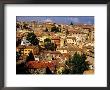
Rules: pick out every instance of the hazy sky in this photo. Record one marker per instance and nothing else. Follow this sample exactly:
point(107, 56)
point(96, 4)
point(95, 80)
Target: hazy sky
point(59, 19)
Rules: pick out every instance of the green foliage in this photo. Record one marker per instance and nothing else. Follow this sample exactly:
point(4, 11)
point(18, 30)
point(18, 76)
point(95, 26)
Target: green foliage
point(18, 42)
point(17, 25)
point(30, 57)
point(46, 30)
point(55, 29)
point(31, 37)
point(48, 71)
point(22, 69)
point(66, 71)
point(77, 64)
point(67, 32)
point(47, 40)
point(49, 45)
point(18, 54)
point(83, 56)
point(71, 23)
point(25, 26)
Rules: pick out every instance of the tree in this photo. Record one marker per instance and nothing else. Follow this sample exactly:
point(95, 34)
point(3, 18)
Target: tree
point(47, 40)
point(25, 26)
point(79, 64)
point(46, 30)
point(18, 41)
point(53, 47)
point(83, 56)
point(48, 71)
point(22, 69)
point(30, 57)
point(50, 46)
point(31, 37)
point(18, 54)
point(17, 25)
point(55, 29)
point(71, 23)
point(76, 64)
point(66, 71)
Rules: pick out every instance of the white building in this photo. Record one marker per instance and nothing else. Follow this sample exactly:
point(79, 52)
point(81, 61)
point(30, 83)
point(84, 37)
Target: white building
point(36, 57)
point(25, 42)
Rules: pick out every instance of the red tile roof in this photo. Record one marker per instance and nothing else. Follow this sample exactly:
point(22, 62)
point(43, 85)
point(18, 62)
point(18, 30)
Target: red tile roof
point(41, 64)
point(79, 32)
point(55, 38)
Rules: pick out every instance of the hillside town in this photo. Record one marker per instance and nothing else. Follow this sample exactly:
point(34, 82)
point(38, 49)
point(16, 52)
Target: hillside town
point(51, 48)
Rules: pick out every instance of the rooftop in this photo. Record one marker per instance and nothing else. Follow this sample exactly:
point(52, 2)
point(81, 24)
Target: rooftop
point(41, 64)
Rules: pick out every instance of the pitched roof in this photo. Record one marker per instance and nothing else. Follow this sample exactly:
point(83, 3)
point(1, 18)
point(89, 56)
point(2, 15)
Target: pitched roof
point(79, 32)
point(41, 64)
point(30, 47)
point(74, 38)
point(21, 47)
point(26, 47)
point(52, 52)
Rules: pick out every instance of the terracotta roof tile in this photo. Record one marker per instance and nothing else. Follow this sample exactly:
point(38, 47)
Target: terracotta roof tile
point(41, 64)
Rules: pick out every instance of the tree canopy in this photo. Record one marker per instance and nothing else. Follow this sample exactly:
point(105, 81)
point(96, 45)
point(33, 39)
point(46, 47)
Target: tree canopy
point(71, 23)
point(18, 54)
point(25, 26)
point(47, 40)
point(49, 45)
point(21, 69)
point(77, 64)
point(31, 37)
point(48, 71)
point(46, 30)
point(30, 57)
point(18, 25)
point(55, 29)
point(18, 41)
